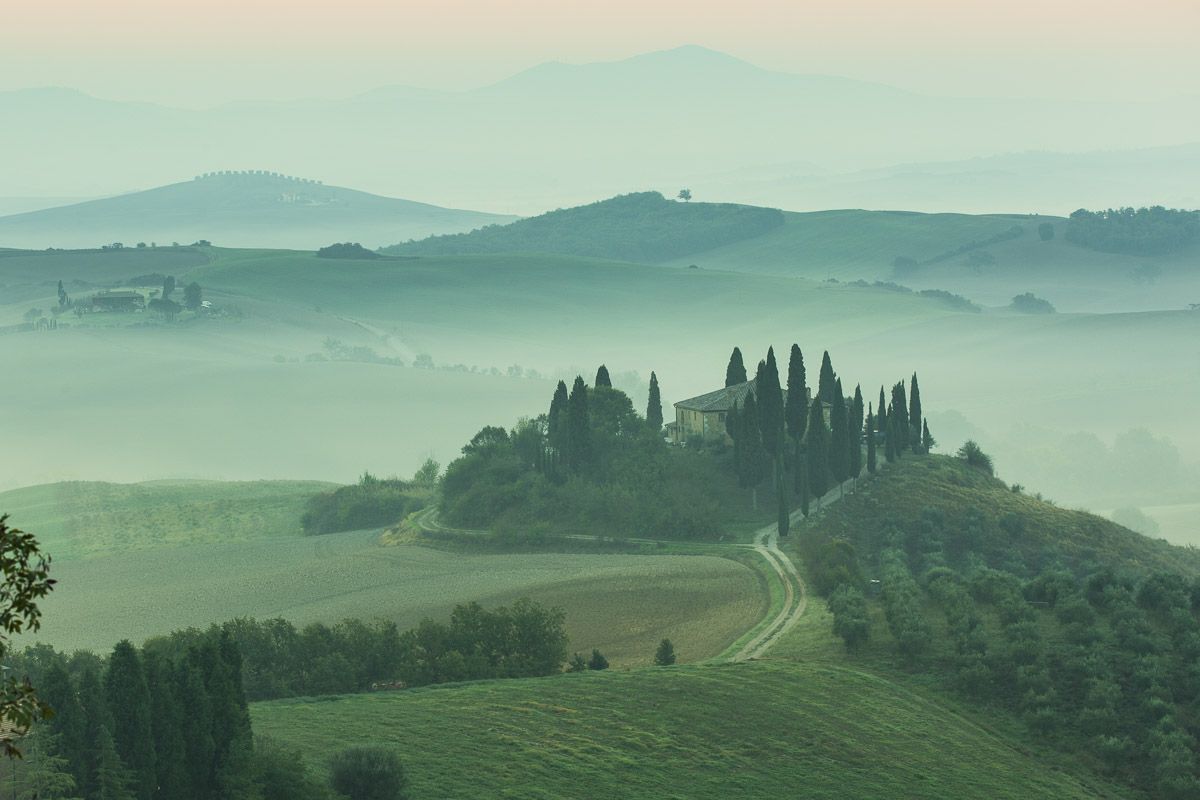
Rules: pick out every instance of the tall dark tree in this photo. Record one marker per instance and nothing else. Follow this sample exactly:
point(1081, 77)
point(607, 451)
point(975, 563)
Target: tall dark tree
point(231, 719)
point(68, 726)
point(556, 429)
point(168, 287)
point(817, 443)
point(914, 408)
point(197, 728)
point(579, 428)
point(856, 432)
point(128, 699)
point(602, 378)
point(654, 409)
point(827, 382)
point(751, 458)
point(881, 417)
point(795, 411)
point(62, 296)
point(112, 780)
point(166, 728)
point(97, 725)
point(839, 437)
point(871, 465)
point(927, 440)
point(735, 373)
point(769, 398)
point(900, 426)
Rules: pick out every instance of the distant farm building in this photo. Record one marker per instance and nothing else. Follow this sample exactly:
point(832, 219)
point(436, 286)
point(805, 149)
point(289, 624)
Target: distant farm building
point(703, 417)
point(118, 301)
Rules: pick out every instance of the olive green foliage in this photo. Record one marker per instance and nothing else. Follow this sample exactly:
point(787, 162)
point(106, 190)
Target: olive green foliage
point(851, 620)
point(973, 454)
point(371, 503)
point(1145, 231)
point(367, 772)
point(643, 227)
point(1087, 633)
point(592, 465)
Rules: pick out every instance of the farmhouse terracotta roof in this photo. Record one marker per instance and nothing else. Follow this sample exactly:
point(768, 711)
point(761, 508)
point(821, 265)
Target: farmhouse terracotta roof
point(722, 399)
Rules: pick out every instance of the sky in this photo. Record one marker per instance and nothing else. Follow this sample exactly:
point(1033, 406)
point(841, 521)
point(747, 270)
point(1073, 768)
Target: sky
point(195, 53)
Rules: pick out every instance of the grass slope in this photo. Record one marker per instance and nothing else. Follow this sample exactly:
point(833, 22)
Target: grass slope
point(89, 519)
point(634, 227)
point(747, 730)
point(623, 604)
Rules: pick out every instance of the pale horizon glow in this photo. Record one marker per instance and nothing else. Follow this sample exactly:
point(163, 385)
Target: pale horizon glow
point(191, 53)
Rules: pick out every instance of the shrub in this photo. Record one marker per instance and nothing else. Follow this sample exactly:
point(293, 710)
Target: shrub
point(665, 655)
point(346, 250)
point(368, 773)
point(1028, 303)
point(975, 457)
point(371, 503)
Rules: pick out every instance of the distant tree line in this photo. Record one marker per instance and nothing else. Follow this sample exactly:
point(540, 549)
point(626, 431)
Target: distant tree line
point(347, 250)
point(642, 227)
point(1153, 231)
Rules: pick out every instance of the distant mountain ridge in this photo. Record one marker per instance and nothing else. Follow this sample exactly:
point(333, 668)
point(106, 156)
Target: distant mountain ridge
point(560, 134)
point(248, 208)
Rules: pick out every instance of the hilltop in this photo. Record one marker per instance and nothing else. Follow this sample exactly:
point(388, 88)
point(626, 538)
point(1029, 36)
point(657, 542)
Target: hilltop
point(253, 208)
point(642, 227)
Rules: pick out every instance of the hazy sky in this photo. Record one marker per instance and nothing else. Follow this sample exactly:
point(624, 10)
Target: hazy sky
point(197, 52)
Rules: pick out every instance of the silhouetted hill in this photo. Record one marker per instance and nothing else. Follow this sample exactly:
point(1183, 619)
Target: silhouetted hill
point(642, 227)
point(238, 209)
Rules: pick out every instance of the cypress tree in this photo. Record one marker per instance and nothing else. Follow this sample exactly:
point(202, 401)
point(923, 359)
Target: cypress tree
point(579, 429)
point(112, 779)
point(68, 726)
point(818, 449)
point(166, 726)
point(914, 407)
point(785, 514)
point(752, 457)
point(231, 720)
point(839, 447)
point(735, 373)
point(796, 412)
point(654, 410)
point(889, 437)
point(197, 727)
point(826, 384)
point(602, 378)
point(802, 479)
point(97, 725)
point(881, 417)
point(856, 432)
point(769, 399)
point(900, 407)
point(871, 467)
point(129, 704)
point(927, 440)
point(556, 422)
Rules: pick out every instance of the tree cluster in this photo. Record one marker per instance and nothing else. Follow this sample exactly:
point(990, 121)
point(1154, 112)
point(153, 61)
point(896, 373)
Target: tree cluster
point(371, 503)
point(350, 250)
point(1153, 231)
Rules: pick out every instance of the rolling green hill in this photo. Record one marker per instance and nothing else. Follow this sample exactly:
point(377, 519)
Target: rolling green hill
point(767, 729)
point(84, 520)
point(633, 227)
point(239, 209)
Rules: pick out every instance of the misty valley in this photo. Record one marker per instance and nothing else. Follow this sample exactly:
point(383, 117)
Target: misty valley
point(596, 465)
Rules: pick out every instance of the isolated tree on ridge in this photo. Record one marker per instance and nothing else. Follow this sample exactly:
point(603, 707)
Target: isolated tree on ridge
point(664, 656)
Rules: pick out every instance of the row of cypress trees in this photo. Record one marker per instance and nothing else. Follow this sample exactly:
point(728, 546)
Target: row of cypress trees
point(817, 442)
point(144, 727)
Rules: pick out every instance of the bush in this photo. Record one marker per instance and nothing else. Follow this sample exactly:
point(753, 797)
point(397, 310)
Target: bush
point(665, 655)
point(371, 503)
point(597, 661)
point(368, 773)
point(973, 454)
point(346, 250)
point(1028, 303)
